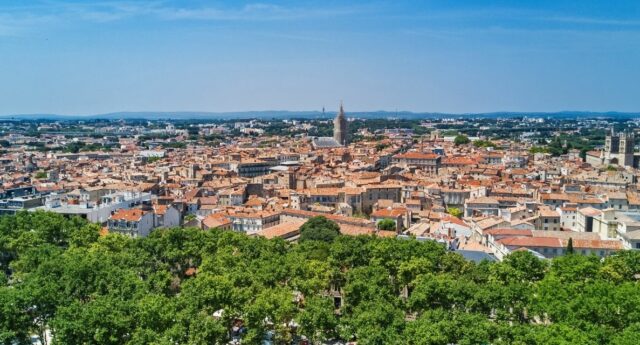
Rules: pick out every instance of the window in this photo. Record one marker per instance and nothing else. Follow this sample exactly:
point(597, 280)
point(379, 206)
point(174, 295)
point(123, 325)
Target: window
point(638, 245)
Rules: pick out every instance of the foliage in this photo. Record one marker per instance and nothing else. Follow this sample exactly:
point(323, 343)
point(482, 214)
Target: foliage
point(538, 149)
point(188, 286)
point(41, 175)
point(319, 229)
point(570, 246)
point(454, 211)
point(484, 143)
point(153, 159)
point(387, 224)
point(461, 140)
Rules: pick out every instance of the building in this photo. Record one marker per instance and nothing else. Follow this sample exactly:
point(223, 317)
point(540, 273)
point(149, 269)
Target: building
point(618, 150)
point(253, 222)
point(340, 130)
point(97, 211)
point(426, 161)
point(485, 206)
point(548, 244)
point(134, 222)
point(584, 219)
point(340, 133)
point(166, 216)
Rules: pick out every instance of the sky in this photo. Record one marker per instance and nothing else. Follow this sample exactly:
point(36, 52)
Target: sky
point(467, 56)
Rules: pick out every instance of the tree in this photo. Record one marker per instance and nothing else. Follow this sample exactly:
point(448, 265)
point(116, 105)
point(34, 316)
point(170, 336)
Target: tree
point(570, 246)
point(189, 286)
point(461, 139)
point(454, 211)
point(484, 143)
point(319, 228)
point(318, 320)
point(387, 224)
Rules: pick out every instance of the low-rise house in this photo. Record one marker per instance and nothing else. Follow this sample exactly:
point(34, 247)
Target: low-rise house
point(217, 221)
point(400, 216)
point(584, 219)
point(548, 243)
point(166, 216)
point(547, 219)
point(485, 206)
point(253, 222)
point(567, 217)
point(131, 222)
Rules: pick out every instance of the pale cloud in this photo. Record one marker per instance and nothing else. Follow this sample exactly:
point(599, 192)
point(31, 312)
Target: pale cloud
point(593, 21)
point(110, 11)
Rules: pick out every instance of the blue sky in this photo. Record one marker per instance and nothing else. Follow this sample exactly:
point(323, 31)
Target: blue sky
point(83, 57)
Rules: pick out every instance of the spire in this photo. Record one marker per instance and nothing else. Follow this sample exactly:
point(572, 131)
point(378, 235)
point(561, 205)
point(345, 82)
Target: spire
point(341, 109)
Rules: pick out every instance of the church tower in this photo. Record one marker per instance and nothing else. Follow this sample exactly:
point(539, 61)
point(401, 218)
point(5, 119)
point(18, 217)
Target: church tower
point(340, 127)
point(627, 144)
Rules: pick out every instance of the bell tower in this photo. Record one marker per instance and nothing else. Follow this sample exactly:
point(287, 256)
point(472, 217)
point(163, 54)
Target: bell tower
point(340, 127)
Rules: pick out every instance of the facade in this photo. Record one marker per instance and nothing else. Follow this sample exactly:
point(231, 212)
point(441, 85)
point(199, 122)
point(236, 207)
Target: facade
point(93, 211)
point(618, 150)
point(166, 216)
point(426, 161)
point(486, 206)
point(254, 222)
point(133, 222)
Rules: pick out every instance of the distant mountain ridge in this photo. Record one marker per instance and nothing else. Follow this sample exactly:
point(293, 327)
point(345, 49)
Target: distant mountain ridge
point(286, 114)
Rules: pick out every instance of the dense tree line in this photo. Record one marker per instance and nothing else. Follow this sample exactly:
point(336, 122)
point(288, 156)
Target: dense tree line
point(188, 286)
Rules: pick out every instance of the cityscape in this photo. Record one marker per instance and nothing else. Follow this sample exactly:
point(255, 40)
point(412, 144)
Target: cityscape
point(319, 173)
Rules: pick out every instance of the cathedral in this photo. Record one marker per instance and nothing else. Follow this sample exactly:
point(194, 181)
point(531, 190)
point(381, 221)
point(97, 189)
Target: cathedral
point(618, 150)
point(340, 133)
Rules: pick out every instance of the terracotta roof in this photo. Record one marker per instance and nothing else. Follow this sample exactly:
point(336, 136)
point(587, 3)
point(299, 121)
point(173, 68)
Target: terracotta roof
point(483, 200)
point(216, 220)
point(160, 209)
point(389, 213)
point(416, 155)
point(508, 232)
point(590, 211)
point(130, 215)
point(532, 242)
point(354, 230)
point(282, 230)
point(336, 218)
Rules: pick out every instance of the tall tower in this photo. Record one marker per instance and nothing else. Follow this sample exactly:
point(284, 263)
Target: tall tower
point(627, 144)
point(340, 127)
point(612, 142)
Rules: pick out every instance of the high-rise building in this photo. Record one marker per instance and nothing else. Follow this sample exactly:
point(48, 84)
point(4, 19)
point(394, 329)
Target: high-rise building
point(340, 130)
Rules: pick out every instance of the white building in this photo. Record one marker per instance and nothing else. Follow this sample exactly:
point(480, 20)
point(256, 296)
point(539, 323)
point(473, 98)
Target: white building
point(97, 212)
point(166, 216)
point(133, 222)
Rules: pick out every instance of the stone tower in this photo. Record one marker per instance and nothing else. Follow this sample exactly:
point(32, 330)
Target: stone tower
point(340, 127)
point(627, 143)
point(612, 143)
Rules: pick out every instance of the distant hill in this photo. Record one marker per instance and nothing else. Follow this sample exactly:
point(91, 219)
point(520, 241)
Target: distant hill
point(285, 114)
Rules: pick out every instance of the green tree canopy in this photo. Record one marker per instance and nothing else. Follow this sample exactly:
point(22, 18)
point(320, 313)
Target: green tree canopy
point(461, 139)
point(387, 224)
point(189, 286)
point(319, 228)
